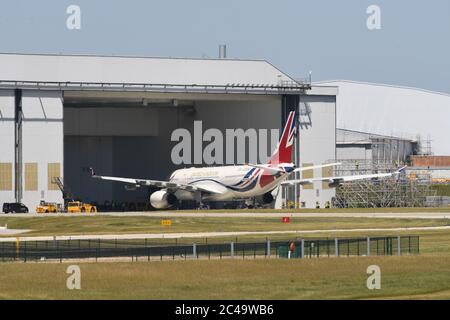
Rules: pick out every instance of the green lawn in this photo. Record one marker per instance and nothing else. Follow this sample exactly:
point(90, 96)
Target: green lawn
point(334, 210)
point(60, 225)
point(421, 277)
point(424, 276)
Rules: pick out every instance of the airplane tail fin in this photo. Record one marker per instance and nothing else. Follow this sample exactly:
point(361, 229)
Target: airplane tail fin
point(283, 152)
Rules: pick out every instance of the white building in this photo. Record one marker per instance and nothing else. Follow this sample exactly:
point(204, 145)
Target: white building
point(401, 112)
point(60, 114)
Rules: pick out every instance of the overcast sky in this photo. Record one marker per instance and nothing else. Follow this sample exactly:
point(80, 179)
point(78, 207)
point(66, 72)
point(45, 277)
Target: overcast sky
point(328, 37)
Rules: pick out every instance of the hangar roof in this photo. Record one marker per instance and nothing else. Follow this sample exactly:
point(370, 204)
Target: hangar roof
point(142, 70)
point(345, 136)
point(404, 112)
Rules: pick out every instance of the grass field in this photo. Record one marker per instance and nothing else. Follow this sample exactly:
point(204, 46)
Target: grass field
point(323, 210)
point(76, 225)
point(426, 276)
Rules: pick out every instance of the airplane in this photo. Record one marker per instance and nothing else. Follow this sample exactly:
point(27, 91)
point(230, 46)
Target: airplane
point(226, 183)
point(334, 182)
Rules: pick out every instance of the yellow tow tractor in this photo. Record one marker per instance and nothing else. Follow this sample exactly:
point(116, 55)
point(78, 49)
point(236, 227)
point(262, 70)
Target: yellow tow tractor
point(78, 206)
point(46, 207)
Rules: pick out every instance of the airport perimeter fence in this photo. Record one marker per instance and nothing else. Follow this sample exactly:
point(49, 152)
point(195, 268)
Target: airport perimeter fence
point(146, 249)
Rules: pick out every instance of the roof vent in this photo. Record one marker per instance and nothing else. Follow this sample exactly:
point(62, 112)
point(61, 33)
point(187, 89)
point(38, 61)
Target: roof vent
point(222, 51)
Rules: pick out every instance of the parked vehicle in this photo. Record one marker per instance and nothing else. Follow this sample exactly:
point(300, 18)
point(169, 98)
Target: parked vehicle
point(14, 208)
point(47, 207)
point(78, 206)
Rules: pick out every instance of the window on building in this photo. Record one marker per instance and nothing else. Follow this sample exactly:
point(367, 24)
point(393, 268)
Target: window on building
point(54, 171)
point(308, 174)
point(6, 183)
point(31, 176)
point(326, 172)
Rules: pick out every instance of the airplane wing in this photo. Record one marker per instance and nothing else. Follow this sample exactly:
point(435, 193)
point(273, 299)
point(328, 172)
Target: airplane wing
point(318, 166)
point(268, 169)
point(275, 170)
point(160, 184)
point(337, 180)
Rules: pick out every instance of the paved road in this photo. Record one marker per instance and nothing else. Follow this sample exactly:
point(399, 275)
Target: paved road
point(212, 234)
point(11, 231)
point(202, 214)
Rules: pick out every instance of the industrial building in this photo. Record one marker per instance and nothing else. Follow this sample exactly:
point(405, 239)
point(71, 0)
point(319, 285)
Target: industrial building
point(61, 114)
point(437, 167)
point(395, 111)
point(380, 127)
point(373, 147)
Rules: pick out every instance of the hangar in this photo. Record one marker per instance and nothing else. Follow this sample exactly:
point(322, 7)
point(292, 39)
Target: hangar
point(395, 111)
point(61, 114)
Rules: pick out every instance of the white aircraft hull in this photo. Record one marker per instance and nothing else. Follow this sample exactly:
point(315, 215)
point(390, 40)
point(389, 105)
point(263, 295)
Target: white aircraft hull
point(233, 182)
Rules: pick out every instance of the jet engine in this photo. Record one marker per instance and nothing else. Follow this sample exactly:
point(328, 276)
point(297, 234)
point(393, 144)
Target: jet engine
point(162, 199)
point(268, 197)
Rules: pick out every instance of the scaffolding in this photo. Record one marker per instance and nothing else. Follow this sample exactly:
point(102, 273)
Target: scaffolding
point(398, 191)
point(349, 167)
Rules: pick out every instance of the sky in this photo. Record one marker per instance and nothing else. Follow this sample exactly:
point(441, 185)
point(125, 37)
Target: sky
point(327, 37)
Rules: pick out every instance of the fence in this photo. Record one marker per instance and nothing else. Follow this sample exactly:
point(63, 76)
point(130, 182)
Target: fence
point(144, 249)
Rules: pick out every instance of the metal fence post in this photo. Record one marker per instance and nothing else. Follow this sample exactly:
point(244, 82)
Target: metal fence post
point(268, 249)
point(336, 247)
point(302, 248)
point(368, 246)
point(418, 244)
point(328, 247)
point(59, 251)
point(409, 244)
point(318, 249)
point(194, 251)
point(232, 249)
point(399, 247)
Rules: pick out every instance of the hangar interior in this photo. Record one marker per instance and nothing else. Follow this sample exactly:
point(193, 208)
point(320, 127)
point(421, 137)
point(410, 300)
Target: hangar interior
point(131, 137)
point(117, 115)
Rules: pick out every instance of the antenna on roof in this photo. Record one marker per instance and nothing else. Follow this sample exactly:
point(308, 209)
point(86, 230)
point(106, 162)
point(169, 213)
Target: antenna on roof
point(222, 51)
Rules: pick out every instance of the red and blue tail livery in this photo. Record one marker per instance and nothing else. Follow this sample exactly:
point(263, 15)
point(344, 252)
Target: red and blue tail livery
point(283, 152)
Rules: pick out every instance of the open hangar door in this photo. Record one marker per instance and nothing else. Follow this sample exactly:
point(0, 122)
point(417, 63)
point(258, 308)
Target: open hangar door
point(128, 134)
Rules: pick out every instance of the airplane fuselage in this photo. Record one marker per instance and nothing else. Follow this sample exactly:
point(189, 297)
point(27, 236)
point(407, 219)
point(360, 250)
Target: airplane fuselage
point(233, 182)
